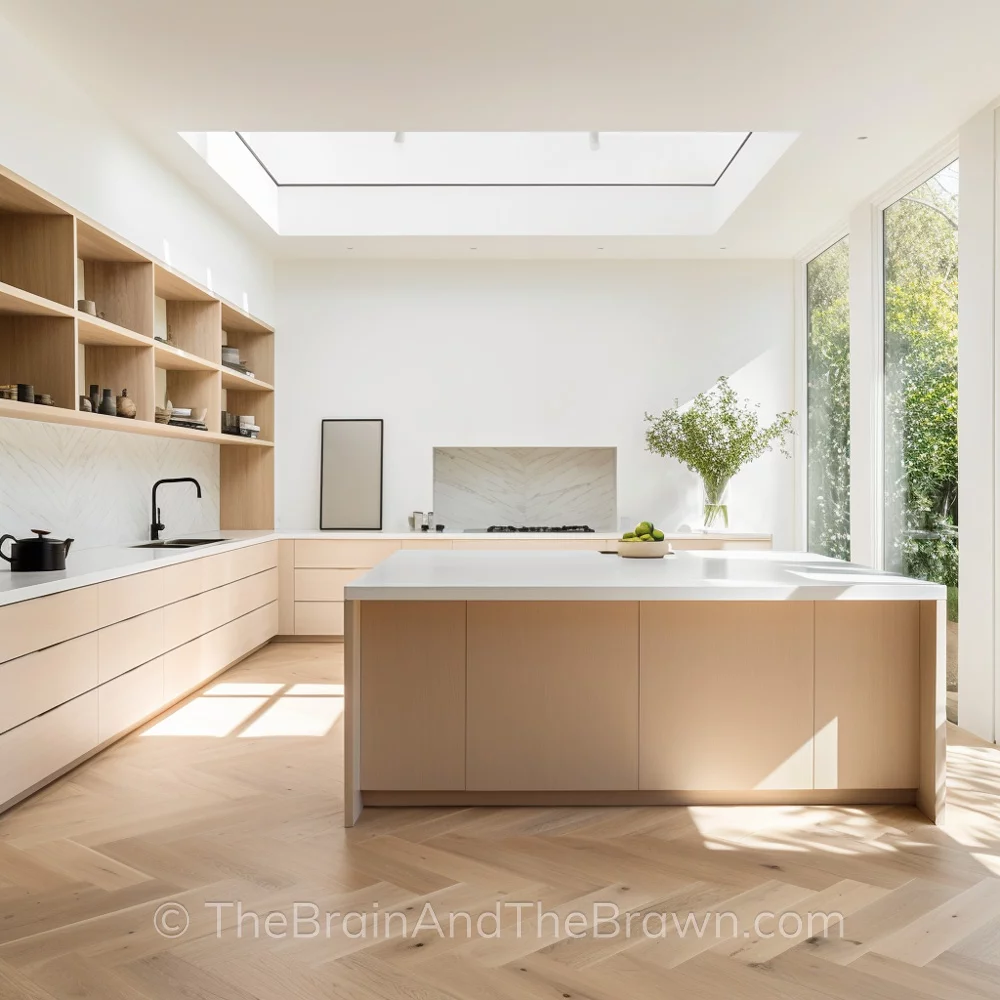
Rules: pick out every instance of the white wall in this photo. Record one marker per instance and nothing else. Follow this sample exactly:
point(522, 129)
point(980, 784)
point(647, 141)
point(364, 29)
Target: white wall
point(515, 353)
point(55, 136)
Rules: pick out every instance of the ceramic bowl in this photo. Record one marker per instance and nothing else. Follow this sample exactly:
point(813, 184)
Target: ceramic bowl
point(644, 550)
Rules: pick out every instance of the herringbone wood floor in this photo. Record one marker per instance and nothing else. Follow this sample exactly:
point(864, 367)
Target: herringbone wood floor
point(250, 810)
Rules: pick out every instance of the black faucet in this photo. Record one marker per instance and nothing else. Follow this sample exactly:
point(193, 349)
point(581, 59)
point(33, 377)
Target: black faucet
point(156, 527)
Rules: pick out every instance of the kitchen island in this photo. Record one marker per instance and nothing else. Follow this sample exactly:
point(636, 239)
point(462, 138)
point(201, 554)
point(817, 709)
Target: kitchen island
point(577, 678)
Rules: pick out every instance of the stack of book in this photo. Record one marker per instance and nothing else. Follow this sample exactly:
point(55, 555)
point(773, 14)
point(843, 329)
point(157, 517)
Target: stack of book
point(242, 426)
point(231, 359)
point(183, 416)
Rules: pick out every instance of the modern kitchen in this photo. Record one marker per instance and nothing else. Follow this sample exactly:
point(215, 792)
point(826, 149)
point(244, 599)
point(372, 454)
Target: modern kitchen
point(495, 514)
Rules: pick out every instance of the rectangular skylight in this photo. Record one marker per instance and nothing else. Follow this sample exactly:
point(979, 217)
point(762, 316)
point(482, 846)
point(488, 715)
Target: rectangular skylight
point(680, 159)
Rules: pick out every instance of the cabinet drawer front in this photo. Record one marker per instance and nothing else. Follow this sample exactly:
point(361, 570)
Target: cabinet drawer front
point(31, 625)
point(129, 699)
point(324, 584)
point(195, 577)
point(35, 683)
point(39, 748)
point(129, 596)
point(190, 665)
point(319, 617)
point(426, 543)
point(129, 643)
point(186, 620)
point(361, 554)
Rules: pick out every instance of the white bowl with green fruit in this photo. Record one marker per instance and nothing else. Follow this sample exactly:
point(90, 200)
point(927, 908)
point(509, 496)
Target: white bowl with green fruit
point(645, 542)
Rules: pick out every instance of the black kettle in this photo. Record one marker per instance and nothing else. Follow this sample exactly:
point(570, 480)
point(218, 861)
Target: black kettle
point(35, 555)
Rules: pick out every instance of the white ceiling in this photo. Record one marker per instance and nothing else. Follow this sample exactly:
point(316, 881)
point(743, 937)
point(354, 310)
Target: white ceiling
point(905, 73)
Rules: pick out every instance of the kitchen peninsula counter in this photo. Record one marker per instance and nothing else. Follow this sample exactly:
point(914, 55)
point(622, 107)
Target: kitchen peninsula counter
point(575, 678)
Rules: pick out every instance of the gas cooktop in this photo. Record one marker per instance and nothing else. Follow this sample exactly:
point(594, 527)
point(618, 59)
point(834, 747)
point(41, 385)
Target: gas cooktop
point(538, 528)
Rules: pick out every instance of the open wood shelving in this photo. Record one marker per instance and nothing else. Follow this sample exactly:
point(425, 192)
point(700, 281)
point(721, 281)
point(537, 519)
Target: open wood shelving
point(51, 257)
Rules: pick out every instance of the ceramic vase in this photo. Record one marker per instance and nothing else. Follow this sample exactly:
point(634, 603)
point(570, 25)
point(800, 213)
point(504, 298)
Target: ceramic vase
point(85, 406)
point(126, 405)
point(716, 506)
point(108, 406)
point(95, 398)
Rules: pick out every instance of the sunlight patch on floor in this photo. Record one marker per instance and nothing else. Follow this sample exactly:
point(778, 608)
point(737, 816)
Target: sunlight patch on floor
point(207, 716)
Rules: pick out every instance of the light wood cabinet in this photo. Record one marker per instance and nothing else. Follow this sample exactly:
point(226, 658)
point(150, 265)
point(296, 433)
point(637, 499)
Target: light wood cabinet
point(553, 689)
point(129, 596)
point(361, 553)
point(319, 618)
point(324, 584)
point(867, 694)
point(413, 710)
point(127, 644)
point(45, 621)
point(129, 698)
point(32, 684)
point(41, 748)
point(727, 695)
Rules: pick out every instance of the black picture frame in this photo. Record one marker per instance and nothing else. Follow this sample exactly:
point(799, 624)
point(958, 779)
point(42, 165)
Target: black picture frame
point(375, 526)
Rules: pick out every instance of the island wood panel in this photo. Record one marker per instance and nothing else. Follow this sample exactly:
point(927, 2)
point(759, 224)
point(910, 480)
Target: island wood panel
point(413, 695)
point(553, 692)
point(867, 694)
point(727, 695)
point(45, 621)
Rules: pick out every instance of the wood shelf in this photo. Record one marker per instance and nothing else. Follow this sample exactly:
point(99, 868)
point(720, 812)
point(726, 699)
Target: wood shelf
point(99, 421)
point(17, 302)
point(97, 332)
point(243, 383)
point(173, 359)
point(51, 257)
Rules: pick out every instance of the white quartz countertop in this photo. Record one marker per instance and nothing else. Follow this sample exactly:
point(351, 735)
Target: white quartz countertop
point(414, 575)
point(85, 567)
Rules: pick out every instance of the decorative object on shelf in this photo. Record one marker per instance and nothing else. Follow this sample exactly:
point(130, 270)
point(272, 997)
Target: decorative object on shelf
point(164, 413)
point(125, 406)
point(416, 519)
point(185, 416)
point(87, 306)
point(25, 393)
point(231, 359)
point(36, 555)
point(95, 398)
point(85, 406)
point(8, 392)
point(240, 426)
point(716, 435)
point(43, 399)
point(108, 405)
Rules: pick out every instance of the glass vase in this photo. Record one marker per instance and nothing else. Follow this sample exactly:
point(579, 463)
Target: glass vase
point(716, 505)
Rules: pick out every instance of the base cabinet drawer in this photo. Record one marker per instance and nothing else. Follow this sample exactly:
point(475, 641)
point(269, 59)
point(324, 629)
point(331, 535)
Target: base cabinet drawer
point(29, 625)
point(32, 684)
point(129, 643)
point(319, 617)
point(347, 554)
point(189, 666)
point(129, 699)
point(324, 584)
point(38, 749)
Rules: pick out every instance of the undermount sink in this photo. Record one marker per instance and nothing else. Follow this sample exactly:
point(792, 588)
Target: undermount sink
point(180, 543)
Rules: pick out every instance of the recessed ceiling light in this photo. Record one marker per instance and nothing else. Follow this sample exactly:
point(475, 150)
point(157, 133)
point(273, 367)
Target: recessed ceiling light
point(473, 248)
point(600, 248)
point(861, 138)
point(723, 248)
point(350, 248)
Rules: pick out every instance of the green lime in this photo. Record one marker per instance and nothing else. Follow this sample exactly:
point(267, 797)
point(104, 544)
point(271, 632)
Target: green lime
point(657, 535)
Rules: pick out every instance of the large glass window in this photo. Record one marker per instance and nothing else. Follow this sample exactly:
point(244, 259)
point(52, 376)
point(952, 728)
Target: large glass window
point(920, 521)
point(828, 417)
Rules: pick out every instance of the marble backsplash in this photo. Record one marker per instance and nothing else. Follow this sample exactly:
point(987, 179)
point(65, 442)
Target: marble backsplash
point(94, 486)
point(477, 487)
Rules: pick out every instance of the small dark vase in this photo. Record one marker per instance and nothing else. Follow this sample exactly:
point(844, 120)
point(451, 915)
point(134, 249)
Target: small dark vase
point(126, 406)
point(95, 398)
point(108, 405)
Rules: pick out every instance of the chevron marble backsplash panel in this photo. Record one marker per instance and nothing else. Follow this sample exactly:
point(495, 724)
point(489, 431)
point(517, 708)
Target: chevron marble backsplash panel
point(477, 487)
point(94, 486)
